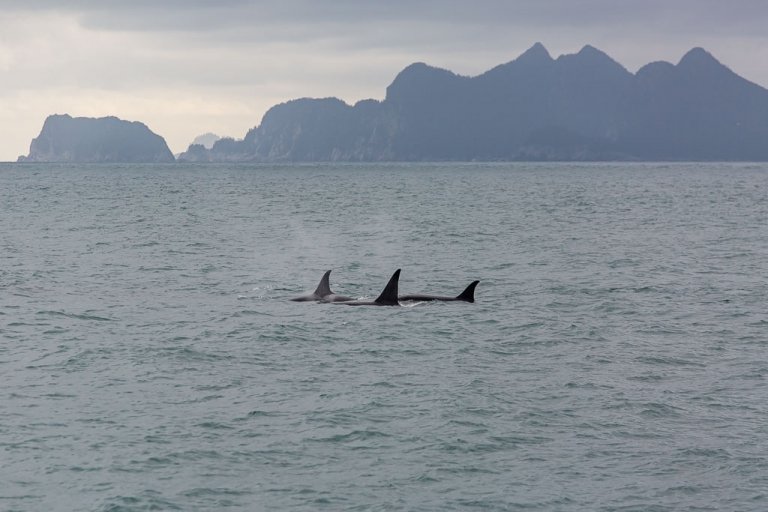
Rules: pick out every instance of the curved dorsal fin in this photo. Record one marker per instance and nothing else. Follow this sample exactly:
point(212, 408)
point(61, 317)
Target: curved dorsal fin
point(389, 296)
point(468, 294)
point(324, 288)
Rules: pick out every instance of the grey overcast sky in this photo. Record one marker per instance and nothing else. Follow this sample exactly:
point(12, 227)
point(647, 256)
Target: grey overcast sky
point(186, 67)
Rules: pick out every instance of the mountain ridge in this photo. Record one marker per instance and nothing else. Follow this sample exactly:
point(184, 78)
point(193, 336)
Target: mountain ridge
point(581, 106)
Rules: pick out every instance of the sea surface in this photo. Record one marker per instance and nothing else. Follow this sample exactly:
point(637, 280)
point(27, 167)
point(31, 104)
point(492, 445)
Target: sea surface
point(616, 358)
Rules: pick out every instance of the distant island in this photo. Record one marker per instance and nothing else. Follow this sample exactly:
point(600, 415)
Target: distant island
point(578, 107)
point(206, 140)
point(103, 140)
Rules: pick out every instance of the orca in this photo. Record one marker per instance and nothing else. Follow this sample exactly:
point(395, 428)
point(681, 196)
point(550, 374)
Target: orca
point(468, 295)
point(388, 297)
point(322, 293)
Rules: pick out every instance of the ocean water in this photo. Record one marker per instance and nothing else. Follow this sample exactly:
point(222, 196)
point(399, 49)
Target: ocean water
point(616, 358)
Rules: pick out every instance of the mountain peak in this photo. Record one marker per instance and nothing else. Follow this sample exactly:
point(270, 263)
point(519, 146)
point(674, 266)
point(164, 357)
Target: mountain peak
point(593, 54)
point(655, 70)
point(699, 62)
point(421, 70)
point(697, 57)
point(536, 53)
point(418, 77)
point(588, 49)
point(593, 59)
point(535, 57)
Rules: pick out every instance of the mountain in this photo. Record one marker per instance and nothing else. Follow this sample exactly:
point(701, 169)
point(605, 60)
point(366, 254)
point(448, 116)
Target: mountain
point(583, 106)
point(107, 139)
point(698, 108)
point(207, 140)
point(198, 151)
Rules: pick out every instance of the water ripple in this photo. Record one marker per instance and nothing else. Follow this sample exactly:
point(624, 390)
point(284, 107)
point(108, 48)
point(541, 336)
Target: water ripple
point(614, 359)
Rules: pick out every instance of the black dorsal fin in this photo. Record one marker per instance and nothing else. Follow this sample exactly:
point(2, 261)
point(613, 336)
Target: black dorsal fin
point(468, 295)
point(324, 288)
point(389, 296)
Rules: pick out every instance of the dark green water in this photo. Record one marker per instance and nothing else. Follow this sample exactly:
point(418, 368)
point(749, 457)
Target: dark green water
point(616, 358)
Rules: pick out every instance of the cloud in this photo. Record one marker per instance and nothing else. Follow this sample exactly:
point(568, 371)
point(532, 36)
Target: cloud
point(416, 29)
point(224, 15)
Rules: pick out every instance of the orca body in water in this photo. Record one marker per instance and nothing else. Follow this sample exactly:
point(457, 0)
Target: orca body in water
point(468, 295)
point(388, 297)
point(322, 293)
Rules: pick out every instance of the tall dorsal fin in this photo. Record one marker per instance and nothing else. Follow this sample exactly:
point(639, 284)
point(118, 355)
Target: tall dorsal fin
point(389, 296)
point(468, 294)
point(324, 288)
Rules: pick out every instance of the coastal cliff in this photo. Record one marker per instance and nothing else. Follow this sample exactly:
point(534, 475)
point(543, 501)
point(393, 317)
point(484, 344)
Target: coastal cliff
point(108, 139)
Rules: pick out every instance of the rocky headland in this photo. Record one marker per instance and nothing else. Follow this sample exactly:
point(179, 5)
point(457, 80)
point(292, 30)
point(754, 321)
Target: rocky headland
point(96, 140)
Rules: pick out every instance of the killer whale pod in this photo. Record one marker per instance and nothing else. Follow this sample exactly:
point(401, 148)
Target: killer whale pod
point(388, 297)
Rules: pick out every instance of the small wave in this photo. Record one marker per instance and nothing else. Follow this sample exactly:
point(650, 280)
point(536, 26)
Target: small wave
point(714, 453)
point(667, 361)
point(201, 492)
point(128, 503)
point(355, 435)
point(382, 384)
point(217, 387)
point(190, 354)
point(249, 312)
point(81, 469)
point(471, 424)
point(213, 425)
point(155, 440)
point(23, 324)
point(56, 330)
point(261, 414)
point(658, 410)
point(469, 470)
point(76, 316)
point(647, 378)
point(197, 455)
point(158, 269)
